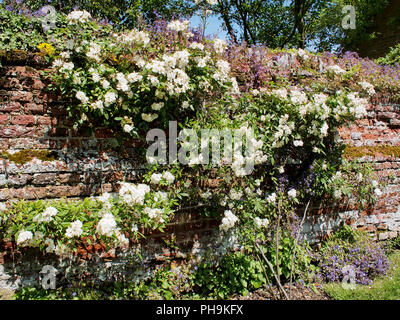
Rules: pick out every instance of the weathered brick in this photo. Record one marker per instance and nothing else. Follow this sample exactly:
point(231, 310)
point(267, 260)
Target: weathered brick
point(23, 120)
point(18, 179)
point(28, 143)
point(4, 144)
point(3, 118)
point(57, 132)
point(44, 178)
point(59, 191)
point(42, 120)
point(28, 193)
point(84, 174)
point(22, 72)
point(38, 85)
point(34, 108)
point(23, 96)
point(37, 166)
point(5, 195)
point(42, 131)
point(11, 106)
point(69, 177)
point(3, 180)
point(10, 83)
point(395, 123)
point(17, 131)
point(104, 133)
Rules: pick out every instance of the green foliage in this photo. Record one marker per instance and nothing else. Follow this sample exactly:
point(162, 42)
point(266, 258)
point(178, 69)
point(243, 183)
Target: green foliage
point(165, 283)
point(302, 267)
point(237, 272)
point(298, 23)
point(242, 271)
point(134, 80)
point(367, 12)
point(392, 57)
point(19, 32)
point(346, 234)
point(59, 226)
point(75, 291)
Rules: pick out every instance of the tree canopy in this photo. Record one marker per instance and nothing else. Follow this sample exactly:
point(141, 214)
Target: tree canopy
point(297, 23)
point(313, 24)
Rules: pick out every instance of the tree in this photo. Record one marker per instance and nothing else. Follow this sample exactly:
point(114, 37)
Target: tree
point(297, 23)
point(276, 23)
point(366, 13)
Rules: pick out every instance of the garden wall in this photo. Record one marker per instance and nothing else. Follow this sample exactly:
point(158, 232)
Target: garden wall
point(42, 157)
point(57, 161)
point(375, 139)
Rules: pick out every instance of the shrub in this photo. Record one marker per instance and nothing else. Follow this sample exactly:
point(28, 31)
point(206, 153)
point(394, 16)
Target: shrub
point(392, 57)
point(349, 251)
point(19, 32)
point(237, 273)
point(164, 283)
point(59, 226)
point(393, 244)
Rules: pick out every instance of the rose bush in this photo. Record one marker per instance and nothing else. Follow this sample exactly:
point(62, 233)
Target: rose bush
point(111, 219)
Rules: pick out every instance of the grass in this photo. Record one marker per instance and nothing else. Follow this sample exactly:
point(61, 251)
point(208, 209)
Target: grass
point(383, 288)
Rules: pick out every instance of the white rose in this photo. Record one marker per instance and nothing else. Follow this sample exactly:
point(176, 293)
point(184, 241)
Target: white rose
point(169, 177)
point(292, 193)
point(128, 128)
point(24, 238)
point(156, 178)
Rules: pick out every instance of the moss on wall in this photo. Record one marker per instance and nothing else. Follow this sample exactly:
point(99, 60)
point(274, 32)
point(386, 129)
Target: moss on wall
point(373, 151)
point(12, 57)
point(25, 156)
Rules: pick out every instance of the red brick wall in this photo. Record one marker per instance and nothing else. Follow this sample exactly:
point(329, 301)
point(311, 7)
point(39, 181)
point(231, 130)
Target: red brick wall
point(89, 164)
point(31, 118)
point(86, 164)
point(380, 128)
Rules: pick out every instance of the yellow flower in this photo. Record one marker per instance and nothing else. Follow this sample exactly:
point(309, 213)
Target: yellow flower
point(46, 48)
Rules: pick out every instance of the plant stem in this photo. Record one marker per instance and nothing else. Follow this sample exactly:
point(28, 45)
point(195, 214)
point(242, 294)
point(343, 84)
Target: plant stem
point(273, 271)
point(277, 239)
point(267, 278)
point(295, 245)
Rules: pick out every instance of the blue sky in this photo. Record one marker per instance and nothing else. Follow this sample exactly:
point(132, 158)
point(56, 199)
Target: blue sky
point(214, 26)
